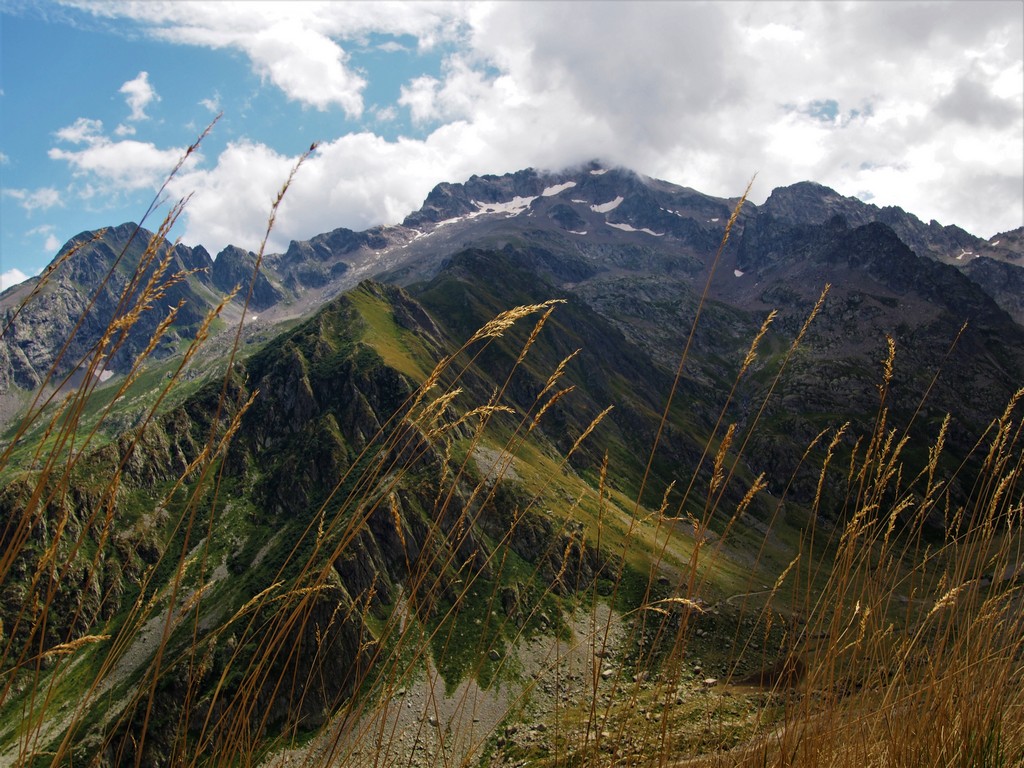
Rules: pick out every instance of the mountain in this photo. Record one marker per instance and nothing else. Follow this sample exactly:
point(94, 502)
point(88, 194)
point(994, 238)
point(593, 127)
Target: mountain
point(810, 203)
point(398, 489)
point(593, 220)
point(99, 277)
point(616, 220)
point(635, 254)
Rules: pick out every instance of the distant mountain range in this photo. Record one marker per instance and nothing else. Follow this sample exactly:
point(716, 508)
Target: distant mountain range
point(633, 254)
point(598, 221)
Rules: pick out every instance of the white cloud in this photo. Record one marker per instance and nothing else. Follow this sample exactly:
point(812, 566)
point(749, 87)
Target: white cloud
point(212, 104)
point(126, 165)
point(4, 159)
point(294, 45)
point(972, 102)
point(124, 130)
point(230, 202)
point(927, 99)
point(392, 46)
point(139, 94)
point(52, 244)
point(419, 96)
point(82, 131)
point(37, 199)
point(113, 167)
point(42, 229)
point(454, 98)
point(777, 32)
point(385, 114)
point(306, 65)
point(11, 277)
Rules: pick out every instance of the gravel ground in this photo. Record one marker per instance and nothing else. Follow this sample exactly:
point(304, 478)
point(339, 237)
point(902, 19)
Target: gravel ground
point(422, 726)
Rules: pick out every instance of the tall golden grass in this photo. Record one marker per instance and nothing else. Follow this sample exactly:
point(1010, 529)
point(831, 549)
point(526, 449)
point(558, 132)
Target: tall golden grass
point(874, 644)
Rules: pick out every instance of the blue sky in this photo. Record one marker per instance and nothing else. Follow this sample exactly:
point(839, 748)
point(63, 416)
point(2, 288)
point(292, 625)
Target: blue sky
point(913, 104)
point(62, 67)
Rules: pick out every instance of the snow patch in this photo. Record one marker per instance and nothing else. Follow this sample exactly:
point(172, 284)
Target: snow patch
point(599, 172)
point(574, 200)
point(418, 235)
point(611, 205)
point(627, 228)
point(738, 272)
point(574, 232)
point(105, 374)
point(513, 207)
point(550, 191)
point(995, 242)
point(713, 220)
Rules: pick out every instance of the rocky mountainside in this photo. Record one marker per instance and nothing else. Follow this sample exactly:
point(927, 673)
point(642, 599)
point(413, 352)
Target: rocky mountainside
point(100, 281)
point(810, 203)
point(637, 253)
point(592, 220)
point(334, 417)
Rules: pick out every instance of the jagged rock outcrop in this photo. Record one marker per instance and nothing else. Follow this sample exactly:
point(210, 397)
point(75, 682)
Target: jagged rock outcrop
point(101, 281)
point(1003, 281)
point(448, 201)
point(812, 204)
point(234, 268)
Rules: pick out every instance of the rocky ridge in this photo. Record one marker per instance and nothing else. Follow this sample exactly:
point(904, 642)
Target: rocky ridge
point(596, 219)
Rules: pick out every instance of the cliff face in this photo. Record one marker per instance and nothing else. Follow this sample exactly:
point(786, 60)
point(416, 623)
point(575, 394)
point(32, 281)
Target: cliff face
point(810, 204)
point(1001, 280)
point(101, 280)
point(236, 268)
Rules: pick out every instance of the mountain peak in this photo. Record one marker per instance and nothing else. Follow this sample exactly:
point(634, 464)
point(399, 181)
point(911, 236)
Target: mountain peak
point(808, 202)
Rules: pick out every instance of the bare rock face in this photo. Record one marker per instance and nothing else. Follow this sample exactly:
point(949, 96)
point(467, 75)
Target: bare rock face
point(36, 334)
point(326, 258)
point(1008, 246)
point(59, 327)
point(810, 204)
point(1002, 280)
point(568, 218)
point(448, 201)
point(235, 267)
